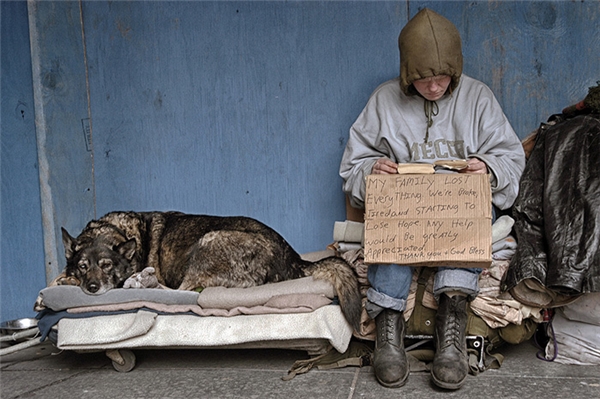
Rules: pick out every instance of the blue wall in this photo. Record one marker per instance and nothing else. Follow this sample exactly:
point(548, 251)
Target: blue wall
point(234, 108)
point(21, 249)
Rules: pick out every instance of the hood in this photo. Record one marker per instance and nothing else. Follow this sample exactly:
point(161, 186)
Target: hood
point(429, 45)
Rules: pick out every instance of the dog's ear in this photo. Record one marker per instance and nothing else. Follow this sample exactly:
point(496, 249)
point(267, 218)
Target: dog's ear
point(127, 249)
point(68, 242)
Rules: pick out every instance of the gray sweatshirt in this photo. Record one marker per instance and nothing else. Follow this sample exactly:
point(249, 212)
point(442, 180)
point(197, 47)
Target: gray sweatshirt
point(470, 123)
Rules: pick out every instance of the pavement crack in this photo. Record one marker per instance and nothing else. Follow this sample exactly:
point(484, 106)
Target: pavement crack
point(353, 385)
point(59, 381)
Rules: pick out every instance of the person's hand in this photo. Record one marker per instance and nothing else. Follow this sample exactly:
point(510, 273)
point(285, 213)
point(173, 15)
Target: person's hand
point(384, 166)
point(475, 165)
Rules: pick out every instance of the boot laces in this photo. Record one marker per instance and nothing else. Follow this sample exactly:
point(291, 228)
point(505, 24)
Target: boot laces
point(389, 330)
point(452, 333)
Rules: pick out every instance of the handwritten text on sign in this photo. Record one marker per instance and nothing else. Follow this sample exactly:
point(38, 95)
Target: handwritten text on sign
point(439, 219)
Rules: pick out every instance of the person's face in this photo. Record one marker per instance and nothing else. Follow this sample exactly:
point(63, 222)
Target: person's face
point(432, 88)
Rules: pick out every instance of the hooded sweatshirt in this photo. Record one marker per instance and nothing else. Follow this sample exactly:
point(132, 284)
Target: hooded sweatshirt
point(466, 122)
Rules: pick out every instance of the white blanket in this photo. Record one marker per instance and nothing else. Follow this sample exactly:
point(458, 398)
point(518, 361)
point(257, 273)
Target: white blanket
point(147, 330)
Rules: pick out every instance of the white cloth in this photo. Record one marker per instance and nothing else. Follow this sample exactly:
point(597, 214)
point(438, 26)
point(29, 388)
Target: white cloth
point(348, 231)
point(147, 330)
point(502, 228)
point(585, 309)
point(576, 342)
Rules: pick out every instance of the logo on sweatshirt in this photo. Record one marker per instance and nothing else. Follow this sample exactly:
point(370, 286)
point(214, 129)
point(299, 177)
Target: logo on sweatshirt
point(438, 149)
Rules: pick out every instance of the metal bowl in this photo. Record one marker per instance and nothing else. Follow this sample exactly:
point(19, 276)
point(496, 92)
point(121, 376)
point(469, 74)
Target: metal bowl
point(12, 326)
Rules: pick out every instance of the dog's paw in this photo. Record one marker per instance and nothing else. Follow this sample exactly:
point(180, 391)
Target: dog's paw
point(62, 279)
point(38, 306)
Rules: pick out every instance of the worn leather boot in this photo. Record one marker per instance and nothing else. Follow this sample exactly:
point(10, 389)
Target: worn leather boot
point(450, 362)
point(389, 357)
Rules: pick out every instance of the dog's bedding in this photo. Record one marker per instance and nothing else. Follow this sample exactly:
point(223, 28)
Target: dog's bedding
point(145, 329)
point(281, 312)
point(63, 297)
point(280, 304)
point(294, 296)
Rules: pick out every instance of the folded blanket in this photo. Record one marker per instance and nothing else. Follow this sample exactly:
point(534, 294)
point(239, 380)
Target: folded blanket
point(229, 298)
point(270, 330)
point(116, 328)
point(48, 318)
point(67, 296)
point(504, 248)
point(348, 231)
point(281, 304)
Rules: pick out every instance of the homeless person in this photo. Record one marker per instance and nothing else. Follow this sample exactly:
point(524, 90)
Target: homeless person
point(431, 111)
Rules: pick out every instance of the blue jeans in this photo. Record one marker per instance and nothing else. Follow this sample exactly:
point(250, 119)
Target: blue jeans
point(390, 284)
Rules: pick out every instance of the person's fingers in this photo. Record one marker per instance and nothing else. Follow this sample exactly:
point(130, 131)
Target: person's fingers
point(475, 165)
point(384, 166)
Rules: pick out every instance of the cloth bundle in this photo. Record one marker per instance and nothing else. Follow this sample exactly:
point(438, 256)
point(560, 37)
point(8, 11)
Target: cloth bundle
point(348, 235)
point(575, 332)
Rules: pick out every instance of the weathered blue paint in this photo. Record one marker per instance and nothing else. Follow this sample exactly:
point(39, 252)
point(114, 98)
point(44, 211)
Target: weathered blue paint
point(21, 250)
point(231, 108)
point(537, 57)
point(61, 112)
point(244, 107)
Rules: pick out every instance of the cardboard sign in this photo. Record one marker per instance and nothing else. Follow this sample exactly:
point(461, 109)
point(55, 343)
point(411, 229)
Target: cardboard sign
point(428, 220)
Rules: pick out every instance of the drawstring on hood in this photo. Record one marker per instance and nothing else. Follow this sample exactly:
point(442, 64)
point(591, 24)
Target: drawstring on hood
point(431, 109)
point(430, 45)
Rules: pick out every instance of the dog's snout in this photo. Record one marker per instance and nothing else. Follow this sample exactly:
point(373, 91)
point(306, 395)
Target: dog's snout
point(93, 287)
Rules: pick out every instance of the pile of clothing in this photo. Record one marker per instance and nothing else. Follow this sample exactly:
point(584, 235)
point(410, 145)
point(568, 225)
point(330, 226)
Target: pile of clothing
point(557, 225)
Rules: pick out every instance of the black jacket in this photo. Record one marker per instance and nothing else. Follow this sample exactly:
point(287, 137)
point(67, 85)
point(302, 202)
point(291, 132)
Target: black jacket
point(557, 211)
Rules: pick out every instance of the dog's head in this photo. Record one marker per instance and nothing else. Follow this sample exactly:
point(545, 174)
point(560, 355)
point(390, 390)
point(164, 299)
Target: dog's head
point(98, 264)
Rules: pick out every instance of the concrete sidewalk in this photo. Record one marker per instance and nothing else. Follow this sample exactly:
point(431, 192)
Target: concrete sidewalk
point(43, 371)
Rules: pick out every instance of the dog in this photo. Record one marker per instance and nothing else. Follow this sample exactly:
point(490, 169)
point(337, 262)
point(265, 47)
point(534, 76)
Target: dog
point(190, 252)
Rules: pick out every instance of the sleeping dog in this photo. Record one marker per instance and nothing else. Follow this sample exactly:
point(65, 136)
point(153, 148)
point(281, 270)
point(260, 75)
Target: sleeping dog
point(190, 252)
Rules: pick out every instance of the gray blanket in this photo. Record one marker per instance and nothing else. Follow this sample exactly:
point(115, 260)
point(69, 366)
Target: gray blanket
point(59, 298)
point(64, 297)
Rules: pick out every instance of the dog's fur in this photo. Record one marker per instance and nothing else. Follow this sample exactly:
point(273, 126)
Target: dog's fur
point(196, 251)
